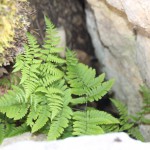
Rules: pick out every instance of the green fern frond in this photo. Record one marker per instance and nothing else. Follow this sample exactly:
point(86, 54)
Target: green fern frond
point(98, 92)
point(67, 131)
point(11, 104)
point(146, 99)
point(51, 38)
point(61, 120)
point(126, 121)
point(135, 132)
point(59, 123)
point(146, 94)
point(43, 117)
point(124, 116)
point(2, 132)
point(49, 68)
point(13, 130)
point(83, 81)
point(55, 104)
point(19, 63)
point(55, 59)
point(145, 120)
point(110, 128)
point(49, 80)
point(89, 122)
point(123, 112)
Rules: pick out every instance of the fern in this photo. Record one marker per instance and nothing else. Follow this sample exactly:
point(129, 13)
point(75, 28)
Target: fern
point(49, 89)
point(83, 82)
point(2, 132)
point(127, 123)
point(146, 105)
point(88, 122)
point(8, 128)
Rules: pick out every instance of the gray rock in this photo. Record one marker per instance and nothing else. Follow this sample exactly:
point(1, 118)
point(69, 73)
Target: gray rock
point(112, 141)
point(119, 31)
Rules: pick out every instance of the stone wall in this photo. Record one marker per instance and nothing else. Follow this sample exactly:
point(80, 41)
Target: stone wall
point(120, 32)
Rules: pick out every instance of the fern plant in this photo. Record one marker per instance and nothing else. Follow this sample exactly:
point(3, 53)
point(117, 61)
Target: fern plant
point(127, 123)
point(146, 106)
point(51, 88)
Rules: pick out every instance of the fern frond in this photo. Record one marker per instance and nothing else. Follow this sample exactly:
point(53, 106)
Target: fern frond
point(89, 122)
point(13, 130)
point(55, 104)
point(51, 69)
point(49, 80)
point(38, 118)
point(55, 59)
point(98, 92)
point(83, 81)
point(135, 132)
point(33, 46)
point(146, 100)
point(19, 63)
point(146, 94)
point(67, 131)
point(123, 112)
point(145, 120)
point(124, 116)
point(43, 117)
point(30, 86)
point(59, 123)
point(61, 120)
point(51, 38)
point(2, 132)
point(126, 121)
point(28, 63)
point(11, 104)
point(58, 100)
point(110, 128)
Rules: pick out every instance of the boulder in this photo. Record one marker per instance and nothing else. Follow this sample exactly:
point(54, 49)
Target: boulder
point(111, 141)
point(119, 31)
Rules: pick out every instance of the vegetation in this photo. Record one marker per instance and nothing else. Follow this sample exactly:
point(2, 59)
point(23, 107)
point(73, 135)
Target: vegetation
point(50, 91)
point(11, 24)
point(53, 94)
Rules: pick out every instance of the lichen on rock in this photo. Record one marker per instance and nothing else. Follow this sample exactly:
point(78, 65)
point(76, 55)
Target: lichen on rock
point(13, 26)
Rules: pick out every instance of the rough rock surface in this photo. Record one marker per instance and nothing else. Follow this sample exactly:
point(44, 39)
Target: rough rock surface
point(68, 14)
point(112, 141)
point(120, 35)
point(137, 11)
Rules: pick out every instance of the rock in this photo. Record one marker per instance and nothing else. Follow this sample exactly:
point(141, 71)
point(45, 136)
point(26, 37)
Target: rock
point(137, 12)
point(68, 14)
point(111, 141)
point(120, 34)
point(116, 3)
point(24, 137)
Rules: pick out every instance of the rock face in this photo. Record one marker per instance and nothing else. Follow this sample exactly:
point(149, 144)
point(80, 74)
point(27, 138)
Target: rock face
point(112, 141)
point(120, 34)
point(68, 14)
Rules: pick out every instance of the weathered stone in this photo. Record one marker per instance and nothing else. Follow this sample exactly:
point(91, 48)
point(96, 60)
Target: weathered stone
point(112, 141)
point(137, 11)
point(116, 3)
point(122, 49)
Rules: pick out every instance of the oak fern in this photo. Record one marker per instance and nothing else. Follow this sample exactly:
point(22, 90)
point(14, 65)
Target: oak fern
point(49, 89)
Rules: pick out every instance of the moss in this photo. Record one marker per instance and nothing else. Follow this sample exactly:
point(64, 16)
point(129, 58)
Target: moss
point(13, 26)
